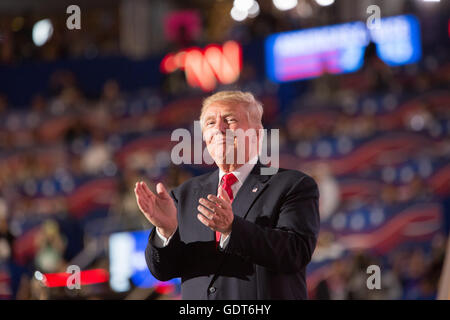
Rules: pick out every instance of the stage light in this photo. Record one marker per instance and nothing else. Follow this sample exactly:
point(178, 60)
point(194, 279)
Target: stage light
point(432, 0)
point(243, 5)
point(238, 15)
point(284, 5)
point(42, 32)
point(38, 275)
point(324, 3)
point(254, 10)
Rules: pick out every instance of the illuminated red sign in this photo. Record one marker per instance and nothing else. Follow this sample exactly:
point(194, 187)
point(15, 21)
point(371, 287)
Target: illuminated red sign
point(86, 277)
point(204, 68)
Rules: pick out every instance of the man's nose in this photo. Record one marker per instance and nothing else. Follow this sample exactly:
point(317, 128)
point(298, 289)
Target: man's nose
point(221, 125)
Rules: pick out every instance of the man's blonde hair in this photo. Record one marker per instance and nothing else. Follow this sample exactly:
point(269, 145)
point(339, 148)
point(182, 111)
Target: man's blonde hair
point(246, 99)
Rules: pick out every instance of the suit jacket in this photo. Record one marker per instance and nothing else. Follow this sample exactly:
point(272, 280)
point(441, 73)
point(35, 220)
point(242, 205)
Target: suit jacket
point(274, 233)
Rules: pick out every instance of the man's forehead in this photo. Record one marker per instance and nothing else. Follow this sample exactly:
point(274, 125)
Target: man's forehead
point(222, 108)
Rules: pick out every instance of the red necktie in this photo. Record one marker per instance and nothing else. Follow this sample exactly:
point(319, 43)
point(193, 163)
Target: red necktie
point(227, 181)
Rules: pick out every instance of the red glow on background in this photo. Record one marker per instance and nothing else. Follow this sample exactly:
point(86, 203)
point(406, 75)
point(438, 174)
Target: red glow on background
point(93, 276)
point(183, 25)
point(163, 288)
point(204, 68)
point(168, 64)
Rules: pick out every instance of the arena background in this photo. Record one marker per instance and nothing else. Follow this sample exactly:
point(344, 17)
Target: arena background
point(85, 113)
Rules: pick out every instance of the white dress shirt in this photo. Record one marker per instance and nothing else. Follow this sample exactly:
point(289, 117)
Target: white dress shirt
point(241, 174)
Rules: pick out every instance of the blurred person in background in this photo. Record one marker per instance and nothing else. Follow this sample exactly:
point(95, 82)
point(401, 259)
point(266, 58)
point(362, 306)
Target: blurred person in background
point(329, 188)
point(6, 237)
point(124, 208)
point(6, 240)
point(97, 155)
point(51, 246)
point(411, 278)
point(389, 285)
point(337, 280)
point(377, 74)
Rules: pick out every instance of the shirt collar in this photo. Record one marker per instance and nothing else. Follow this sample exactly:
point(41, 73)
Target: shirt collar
point(242, 172)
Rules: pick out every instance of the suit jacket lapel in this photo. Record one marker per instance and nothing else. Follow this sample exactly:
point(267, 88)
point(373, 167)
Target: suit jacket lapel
point(210, 187)
point(250, 190)
point(253, 186)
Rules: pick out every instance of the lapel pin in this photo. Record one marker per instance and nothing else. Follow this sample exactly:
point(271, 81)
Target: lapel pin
point(255, 189)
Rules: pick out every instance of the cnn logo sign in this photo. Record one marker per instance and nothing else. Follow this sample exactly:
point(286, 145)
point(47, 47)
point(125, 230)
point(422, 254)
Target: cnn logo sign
point(204, 68)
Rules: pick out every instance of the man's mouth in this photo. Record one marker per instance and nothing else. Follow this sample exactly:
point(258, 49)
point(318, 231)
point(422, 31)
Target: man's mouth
point(223, 141)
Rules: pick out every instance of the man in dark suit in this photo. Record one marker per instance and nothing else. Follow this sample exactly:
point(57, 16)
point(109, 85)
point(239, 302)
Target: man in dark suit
point(238, 232)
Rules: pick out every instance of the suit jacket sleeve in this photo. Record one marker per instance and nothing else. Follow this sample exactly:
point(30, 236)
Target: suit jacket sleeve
point(289, 246)
point(165, 263)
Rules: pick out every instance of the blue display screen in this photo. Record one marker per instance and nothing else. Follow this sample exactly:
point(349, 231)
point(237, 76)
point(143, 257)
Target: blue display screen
point(309, 53)
point(127, 261)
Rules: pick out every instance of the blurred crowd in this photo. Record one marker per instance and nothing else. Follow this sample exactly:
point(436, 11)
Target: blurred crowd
point(407, 273)
point(66, 143)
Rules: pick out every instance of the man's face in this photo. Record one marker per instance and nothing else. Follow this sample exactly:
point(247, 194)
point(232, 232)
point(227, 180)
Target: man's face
point(217, 119)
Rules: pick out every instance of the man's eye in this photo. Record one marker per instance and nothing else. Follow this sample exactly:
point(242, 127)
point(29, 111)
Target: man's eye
point(209, 123)
point(231, 120)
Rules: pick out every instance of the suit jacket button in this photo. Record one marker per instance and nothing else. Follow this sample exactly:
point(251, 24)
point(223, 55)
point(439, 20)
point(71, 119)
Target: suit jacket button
point(212, 289)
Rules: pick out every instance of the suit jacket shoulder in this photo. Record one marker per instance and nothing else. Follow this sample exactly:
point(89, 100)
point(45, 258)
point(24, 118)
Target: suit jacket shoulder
point(295, 178)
